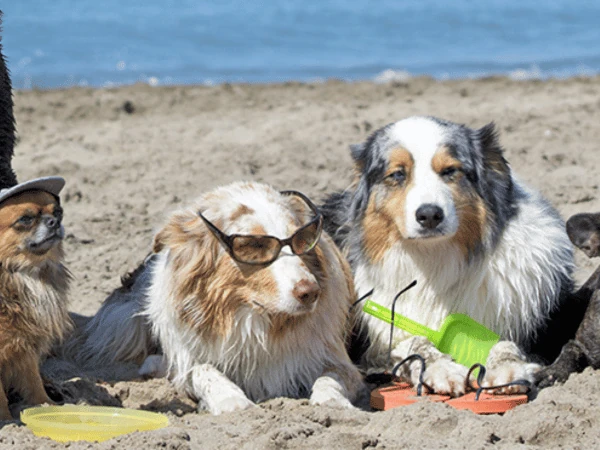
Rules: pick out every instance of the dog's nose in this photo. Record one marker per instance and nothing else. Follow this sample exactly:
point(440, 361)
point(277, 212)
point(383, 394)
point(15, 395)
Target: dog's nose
point(429, 215)
point(51, 222)
point(306, 292)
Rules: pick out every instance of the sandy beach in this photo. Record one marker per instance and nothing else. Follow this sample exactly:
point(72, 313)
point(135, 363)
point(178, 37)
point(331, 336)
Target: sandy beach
point(131, 155)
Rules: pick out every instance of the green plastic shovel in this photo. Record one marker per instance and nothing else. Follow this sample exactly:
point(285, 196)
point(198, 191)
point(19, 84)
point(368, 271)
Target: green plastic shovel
point(461, 337)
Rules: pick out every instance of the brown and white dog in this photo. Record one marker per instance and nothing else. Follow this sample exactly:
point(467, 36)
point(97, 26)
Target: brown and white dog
point(33, 291)
point(33, 280)
point(232, 332)
point(436, 202)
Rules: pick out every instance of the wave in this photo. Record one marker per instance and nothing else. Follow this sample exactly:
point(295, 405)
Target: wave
point(532, 72)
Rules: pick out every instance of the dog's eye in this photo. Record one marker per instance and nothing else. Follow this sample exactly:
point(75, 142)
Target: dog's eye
point(26, 220)
point(399, 176)
point(449, 172)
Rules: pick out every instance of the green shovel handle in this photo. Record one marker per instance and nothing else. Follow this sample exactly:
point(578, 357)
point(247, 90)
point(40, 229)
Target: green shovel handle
point(402, 322)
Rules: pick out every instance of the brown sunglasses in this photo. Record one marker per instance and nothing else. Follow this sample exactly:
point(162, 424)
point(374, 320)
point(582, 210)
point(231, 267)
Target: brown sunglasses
point(264, 249)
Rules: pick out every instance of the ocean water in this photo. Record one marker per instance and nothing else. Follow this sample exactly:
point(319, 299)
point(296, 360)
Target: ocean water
point(61, 43)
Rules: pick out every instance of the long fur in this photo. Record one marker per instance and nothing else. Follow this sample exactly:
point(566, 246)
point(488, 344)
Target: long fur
point(33, 294)
point(233, 334)
point(118, 331)
point(508, 265)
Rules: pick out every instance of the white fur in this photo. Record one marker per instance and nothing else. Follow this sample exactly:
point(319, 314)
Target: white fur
point(329, 390)
point(423, 137)
point(504, 291)
point(248, 364)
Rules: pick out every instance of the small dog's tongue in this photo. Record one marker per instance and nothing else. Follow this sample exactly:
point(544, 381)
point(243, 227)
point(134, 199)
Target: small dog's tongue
point(7, 124)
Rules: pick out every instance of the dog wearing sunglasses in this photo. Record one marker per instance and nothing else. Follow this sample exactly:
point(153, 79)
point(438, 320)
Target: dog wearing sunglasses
point(246, 299)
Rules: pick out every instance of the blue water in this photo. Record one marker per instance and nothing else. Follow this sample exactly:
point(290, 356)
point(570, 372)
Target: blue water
point(58, 43)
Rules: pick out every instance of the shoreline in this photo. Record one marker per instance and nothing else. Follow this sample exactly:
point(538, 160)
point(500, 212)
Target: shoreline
point(396, 77)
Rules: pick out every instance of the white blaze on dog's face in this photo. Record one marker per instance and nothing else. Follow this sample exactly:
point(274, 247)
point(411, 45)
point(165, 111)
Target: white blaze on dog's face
point(429, 207)
point(421, 180)
point(212, 287)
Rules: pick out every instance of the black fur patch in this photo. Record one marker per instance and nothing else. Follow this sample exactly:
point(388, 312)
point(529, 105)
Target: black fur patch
point(7, 124)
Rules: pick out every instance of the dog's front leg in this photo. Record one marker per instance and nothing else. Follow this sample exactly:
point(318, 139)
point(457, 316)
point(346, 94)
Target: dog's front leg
point(215, 392)
point(507, 363)
point(154, 366)
point(4, 411)
point(580, 352)
point(572, 359)
point(29, 384)
point(441, 373)
point(338, 386)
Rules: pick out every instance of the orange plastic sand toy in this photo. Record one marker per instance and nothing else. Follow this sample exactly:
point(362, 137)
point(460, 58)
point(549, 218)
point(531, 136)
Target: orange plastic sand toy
point(488, 403)
point(401, 394)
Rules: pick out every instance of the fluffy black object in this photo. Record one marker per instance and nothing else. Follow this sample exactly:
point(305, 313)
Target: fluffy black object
point(7, 124)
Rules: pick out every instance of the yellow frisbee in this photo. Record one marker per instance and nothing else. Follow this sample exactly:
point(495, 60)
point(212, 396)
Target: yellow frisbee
point(89, 423)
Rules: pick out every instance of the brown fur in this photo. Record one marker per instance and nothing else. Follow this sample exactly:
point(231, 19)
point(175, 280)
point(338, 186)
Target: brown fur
point(222, 284)
point(443, 160)
point(472, 218)
point(470, 207)
point(382, 224)
point(380, 230)
point(33, 299)
point(242, 210)
point(400, 158)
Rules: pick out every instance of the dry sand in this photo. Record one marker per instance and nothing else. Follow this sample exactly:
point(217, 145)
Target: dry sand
point(126, 170)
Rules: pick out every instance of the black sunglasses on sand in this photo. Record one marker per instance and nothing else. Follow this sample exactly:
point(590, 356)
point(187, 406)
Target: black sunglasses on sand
point(263, 249)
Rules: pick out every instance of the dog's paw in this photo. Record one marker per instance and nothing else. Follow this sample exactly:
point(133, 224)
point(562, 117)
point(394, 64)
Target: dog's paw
point(573, 358)
point(154, 366)
point(548, 376)
point(509, 373)
point(444, 376)
point(329, 391)
point(228, 404)
point(334, 401)
point(507, 364)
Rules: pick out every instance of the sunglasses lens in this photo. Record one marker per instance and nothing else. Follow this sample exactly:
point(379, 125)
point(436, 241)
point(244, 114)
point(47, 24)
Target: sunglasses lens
point(255, 249)
point(306, 238)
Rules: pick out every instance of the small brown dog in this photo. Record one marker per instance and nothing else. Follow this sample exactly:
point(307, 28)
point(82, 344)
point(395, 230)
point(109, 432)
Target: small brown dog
point(33, 286)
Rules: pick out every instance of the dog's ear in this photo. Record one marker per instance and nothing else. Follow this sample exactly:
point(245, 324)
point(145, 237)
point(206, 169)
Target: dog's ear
point(192, 247)
point(493, 158)
point(357, 152)
point(360, 197)
point(495, 178)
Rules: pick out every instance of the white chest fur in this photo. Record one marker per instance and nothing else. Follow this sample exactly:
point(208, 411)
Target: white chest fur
point(509, 289)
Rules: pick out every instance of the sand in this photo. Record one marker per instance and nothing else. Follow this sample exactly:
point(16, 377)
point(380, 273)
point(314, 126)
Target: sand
point(131, 155)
